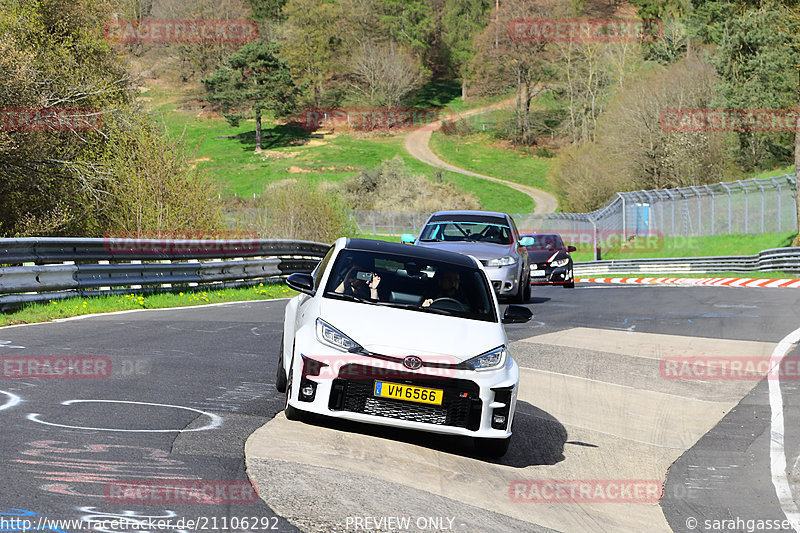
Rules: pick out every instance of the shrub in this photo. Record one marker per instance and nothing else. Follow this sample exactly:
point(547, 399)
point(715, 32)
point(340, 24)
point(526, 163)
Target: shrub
point(293, 209)
point(392, 187)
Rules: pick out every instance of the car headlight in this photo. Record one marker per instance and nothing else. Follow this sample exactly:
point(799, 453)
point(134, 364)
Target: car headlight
point(330, 336)
point(491, 360)
point(560, 262)
point(501, 261)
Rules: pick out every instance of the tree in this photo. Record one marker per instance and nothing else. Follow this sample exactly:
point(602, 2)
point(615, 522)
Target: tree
point(462, 20)
point(255, 80)
point(384, 74)
point(312, 48)
point(503, 62)
point(53, 56)
point(408, 22)
point(757, 64)
point(266, 9)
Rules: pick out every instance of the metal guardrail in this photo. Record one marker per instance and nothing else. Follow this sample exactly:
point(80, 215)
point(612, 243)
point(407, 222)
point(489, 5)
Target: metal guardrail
point(29, 275)
point(785, 259)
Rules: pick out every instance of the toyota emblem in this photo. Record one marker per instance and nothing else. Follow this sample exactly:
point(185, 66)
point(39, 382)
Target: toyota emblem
point(413, 362)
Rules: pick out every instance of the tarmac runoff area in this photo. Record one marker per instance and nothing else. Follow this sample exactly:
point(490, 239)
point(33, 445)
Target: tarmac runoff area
point(599, 422)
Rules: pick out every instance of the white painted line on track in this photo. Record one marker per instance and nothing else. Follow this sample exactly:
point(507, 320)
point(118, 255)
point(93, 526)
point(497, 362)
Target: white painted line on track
point(126, 311)
point(777, 453)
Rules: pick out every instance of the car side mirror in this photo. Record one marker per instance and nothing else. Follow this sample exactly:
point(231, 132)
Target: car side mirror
point(517, 314)
point(571, 248)
point(407, 238)
point(526, 241)
point(301, 282)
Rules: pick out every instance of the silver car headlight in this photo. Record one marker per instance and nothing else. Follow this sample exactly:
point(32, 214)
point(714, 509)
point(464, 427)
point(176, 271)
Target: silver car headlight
point(491, 360)
point(560, 262)
point(330, 336)
point(501, 261)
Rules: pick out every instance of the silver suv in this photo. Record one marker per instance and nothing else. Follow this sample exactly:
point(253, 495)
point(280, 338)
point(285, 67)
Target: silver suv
point(490, 237)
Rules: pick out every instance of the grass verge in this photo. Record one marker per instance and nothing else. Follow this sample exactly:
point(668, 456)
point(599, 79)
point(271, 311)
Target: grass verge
point(483, 154)
point(69, 307)
point(672, 247)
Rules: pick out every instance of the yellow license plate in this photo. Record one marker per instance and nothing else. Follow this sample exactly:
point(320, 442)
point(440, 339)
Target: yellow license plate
point(408, 393)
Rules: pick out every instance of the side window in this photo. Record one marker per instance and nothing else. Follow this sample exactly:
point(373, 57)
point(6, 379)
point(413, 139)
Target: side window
point(320, 269)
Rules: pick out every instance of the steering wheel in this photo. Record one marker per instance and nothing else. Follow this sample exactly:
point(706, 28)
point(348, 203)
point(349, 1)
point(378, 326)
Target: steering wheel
point(448, 304)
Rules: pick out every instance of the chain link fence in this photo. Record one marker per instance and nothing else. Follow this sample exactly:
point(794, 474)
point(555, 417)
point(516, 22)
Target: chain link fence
point(754, 206)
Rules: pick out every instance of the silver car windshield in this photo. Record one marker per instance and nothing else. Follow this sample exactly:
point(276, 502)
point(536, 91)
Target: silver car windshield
point(446, 231)
point(422, 285)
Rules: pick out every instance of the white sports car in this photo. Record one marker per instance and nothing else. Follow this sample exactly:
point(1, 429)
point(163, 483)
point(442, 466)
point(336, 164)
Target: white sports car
point(401, 336)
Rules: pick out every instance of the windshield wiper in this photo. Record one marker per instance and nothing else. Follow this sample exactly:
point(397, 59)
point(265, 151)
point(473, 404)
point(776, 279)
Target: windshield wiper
point(349, 297)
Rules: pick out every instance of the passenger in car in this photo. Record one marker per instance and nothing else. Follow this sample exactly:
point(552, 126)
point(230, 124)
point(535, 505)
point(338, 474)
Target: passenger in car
point(360, 282)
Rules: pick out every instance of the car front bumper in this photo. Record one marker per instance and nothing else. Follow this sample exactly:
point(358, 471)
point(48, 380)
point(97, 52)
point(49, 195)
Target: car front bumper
point(543, 274)
point(505, 280)
point(471, 400)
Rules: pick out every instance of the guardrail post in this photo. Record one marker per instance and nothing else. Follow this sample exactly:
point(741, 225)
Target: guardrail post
point(373, 216)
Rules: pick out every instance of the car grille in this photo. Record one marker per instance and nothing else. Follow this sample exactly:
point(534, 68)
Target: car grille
point(461, 405)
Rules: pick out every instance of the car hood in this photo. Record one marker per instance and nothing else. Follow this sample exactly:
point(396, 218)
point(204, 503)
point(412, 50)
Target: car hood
point(479, 250)
point(541, 256)
point(400, 332)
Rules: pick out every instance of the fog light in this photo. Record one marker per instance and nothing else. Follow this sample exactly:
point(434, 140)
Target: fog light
point(499, 420)
point(308, 389)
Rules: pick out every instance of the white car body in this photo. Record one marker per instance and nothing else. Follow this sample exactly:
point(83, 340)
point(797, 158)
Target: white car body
point(398, 332)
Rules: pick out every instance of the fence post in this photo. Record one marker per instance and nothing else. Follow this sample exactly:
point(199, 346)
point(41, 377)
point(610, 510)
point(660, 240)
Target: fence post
point(393, 231)
point(779, 207)
point(373, 216)
point(730, 218)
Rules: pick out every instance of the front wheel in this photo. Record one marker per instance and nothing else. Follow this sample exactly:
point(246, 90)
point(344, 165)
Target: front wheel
point(571, 283)
point(522, 295)
point(492, 447)
point(280, 375)
point(290, 412)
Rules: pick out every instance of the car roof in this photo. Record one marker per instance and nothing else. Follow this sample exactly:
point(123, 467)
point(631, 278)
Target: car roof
point(468, 216)
point(410, 251)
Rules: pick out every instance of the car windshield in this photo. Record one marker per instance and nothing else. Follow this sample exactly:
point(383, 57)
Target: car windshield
point(416, 284)
point(466, 231)
point(546, 242)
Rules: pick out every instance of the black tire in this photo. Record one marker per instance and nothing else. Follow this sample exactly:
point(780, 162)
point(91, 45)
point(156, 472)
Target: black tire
point(492, 447)
point(528, 290)
point(280, 374)
point(290, 412)
point(520, 298)
point(570, 284)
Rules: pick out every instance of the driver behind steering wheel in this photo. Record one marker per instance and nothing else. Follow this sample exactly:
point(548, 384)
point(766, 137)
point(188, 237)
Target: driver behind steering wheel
point(448, 285)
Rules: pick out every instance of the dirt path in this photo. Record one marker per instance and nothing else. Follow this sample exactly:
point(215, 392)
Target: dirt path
point(417, 144)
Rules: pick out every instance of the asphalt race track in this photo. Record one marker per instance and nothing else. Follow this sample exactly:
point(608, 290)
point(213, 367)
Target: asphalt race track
point(189, 389)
